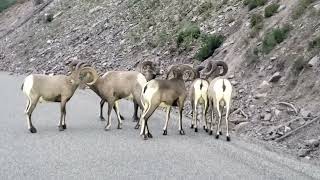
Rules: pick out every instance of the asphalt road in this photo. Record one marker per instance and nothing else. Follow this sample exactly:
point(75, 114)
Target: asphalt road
point(86, 151)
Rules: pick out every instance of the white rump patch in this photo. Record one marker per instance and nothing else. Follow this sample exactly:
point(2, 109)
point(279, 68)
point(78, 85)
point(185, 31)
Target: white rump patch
point(27, 85)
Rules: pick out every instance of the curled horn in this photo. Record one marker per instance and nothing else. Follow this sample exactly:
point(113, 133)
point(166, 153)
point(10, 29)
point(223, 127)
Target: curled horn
point(92, 72)
point(198, 69)
point(171, 68)
point(185, 68)
point(71, 64)
point(213, 65)
point(80, 64)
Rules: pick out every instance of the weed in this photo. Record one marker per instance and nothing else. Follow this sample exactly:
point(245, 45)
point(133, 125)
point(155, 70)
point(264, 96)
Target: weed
point(271, 9)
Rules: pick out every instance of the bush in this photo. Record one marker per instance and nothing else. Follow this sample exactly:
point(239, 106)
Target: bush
point(4, 4)
point(256, 20)
point(276, 36)
point(271, 10)
point(188, 33)
point(300, 9)
point(315, 43)
point(254, 3)
point(210, 44)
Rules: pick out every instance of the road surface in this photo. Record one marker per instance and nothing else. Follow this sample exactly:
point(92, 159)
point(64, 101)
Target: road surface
point(86, 151)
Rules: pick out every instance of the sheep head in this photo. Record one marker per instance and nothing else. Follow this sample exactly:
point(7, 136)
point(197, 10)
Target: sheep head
point(148, 69)
point(212, 69)
point(179, 70)
point(88, 75)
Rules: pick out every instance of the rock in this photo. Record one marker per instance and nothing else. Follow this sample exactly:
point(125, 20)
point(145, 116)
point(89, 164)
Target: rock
point(37, 2)
point(97, 8)
point(277, 112)
point(264, 85)
point(273, 58)
point(287, 129)
point(305, 113)
point(312, 143)
point(317, 6)
point(234, 82)
point(303, 152)
point(231, 76)
point(269, 67)
point(281, 7)
point(229, 8)
point(267, 117)
point(275, 77)
point(313, 62)
point(48, 17)
point(260, 95)
point(57, 14)
point(241, 91)
point(240, 126)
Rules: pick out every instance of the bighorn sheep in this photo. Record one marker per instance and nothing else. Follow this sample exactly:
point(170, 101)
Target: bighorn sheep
point(165, 92)
point(219, 94)
point(57, 88)
point(199, 90)
point(116, 85)
point(150, 71)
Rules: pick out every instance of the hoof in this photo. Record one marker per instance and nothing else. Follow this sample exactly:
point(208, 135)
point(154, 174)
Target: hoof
point(210, 132)
point(119, 127)
point(137, 126)
point(61, 128)
point(220, 132)
point(135, 119)
point(228, 138)
point(182, 132)
point(144, 137)
point(102, 118)
point(64, 126)
point(150, 135)
point(121, 117)
point(33, 130)
point(106, 128)
point(206, 130)
point(217, 136)
point(195, 129)
point(165, 132)
point(191, 126)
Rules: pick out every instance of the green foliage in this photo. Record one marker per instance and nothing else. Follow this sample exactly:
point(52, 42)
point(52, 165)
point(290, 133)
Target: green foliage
point(187, 34)
point(315, 43)
point(271, 10)
point(210, 44)
point(4, 4)
point(300, 9)
point(254, 3)
point(256, 22)
point(276, 36)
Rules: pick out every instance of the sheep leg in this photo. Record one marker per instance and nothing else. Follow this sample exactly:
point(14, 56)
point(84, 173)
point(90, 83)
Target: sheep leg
point(110, 107)
point(193, 113)
point(181, 103)
point(212, 116)
point(101, 109)
point(145, 117)
point(30, 107)
point(227, 114)
point(194, 116)
point(62, 114)
point(204, 115)
point(219, 121)
point(116, 108)
point(135, 117)
point(165, 132)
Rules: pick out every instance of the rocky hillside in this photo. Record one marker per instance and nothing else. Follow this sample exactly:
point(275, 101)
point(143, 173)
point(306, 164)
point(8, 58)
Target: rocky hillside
point(271, 46)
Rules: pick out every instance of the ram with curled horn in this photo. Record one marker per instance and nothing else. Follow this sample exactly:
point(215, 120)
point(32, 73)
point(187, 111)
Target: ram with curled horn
point(165, 93)
point(147, 68)
point(199, 89)
point(56, 88)
point(116, 85)
point(219, 95)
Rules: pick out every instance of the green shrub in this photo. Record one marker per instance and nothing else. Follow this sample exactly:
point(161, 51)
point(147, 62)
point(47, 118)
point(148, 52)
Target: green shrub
point(256, 20)
point(276, 36)
point(4, 4)
point(254, 3)
point(300, 9)
point(210, 44)
point(188, 33)
point(271, 10)
point(315, 43)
